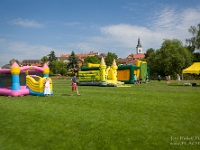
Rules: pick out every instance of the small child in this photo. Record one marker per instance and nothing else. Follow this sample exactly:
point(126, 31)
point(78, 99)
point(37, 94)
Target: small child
point(47, 90)
point(74, 86)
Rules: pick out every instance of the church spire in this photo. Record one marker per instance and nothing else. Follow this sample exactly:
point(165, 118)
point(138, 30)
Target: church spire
point(139, 47)
point(139, 43)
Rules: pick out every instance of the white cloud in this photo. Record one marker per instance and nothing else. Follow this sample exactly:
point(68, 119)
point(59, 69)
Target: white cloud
point(191, 17)
point(164, 23)
point(2, 40)
point(167, 24)
point(27, 23)
point(21, 51)
point(124, 33)
point(171, 19)
point(84, 46)
point(167, 19)
point(126, 36)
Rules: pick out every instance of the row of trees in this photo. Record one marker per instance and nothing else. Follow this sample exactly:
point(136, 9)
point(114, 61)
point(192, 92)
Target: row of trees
point(63, 68)
point(170, 59)
point(60, 67)
point(173, 57)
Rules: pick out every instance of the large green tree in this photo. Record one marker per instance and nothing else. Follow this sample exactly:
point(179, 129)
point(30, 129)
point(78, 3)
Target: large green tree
point(149, 52)
point(195, 40)
point(196, 55)
point(110, 57)
point(51, 58)
point(91, 59)
point(59, 67)
point(170, 59)
point(151, 61)
point(73, 63)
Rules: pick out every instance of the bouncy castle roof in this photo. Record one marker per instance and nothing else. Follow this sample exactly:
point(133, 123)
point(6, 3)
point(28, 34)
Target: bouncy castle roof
point(193, 69)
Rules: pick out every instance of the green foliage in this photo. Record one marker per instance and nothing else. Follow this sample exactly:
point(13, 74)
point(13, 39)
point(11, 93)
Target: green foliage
point(73, 63)
point(44, 60)
point(153, 62)
point(51, 58)
point(102, 118)
point(91, 59)
point(148, 52)
point(12, 61)
point(190, 48)
point(51, 73)
point(110, 57)
point(195, 40)
point(59, 67)
point(196, 57)
point(170, 59)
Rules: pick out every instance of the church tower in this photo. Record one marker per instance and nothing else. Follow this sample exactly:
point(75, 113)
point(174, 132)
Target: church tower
point(139, 47)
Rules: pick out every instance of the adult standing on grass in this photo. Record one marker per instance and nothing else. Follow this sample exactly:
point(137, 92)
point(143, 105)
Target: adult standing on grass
point(178, 78)
point(169, 78)
point(74, 86)
point(47, 90)
point(159, 78)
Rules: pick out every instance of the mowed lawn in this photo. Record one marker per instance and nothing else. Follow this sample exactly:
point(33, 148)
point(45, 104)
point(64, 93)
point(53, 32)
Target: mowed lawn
point(152, 116)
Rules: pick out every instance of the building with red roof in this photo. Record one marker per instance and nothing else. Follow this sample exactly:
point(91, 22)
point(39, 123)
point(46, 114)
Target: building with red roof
point(131, 59)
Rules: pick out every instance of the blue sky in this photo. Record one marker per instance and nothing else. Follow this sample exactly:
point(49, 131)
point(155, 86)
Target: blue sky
point(31, 29)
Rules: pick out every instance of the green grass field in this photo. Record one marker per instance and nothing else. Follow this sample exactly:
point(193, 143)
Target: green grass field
point(152, 116)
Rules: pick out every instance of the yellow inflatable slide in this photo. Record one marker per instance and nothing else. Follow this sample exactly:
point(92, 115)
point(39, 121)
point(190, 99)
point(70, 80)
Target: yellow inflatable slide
point(36, 85)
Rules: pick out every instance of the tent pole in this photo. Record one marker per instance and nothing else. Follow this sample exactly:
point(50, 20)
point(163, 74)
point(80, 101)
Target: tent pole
point(182, 76)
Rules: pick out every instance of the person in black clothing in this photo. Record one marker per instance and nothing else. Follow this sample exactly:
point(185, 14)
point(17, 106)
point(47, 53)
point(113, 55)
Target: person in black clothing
point(159, 78)
point(147, 78)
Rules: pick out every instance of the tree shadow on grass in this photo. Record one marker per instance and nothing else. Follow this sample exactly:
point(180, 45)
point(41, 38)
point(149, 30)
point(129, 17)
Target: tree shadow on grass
point(176, 85)
point(183, 85)
point(65, 95)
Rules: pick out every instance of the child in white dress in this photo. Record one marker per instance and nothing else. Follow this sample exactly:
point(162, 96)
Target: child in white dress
point(47, 90)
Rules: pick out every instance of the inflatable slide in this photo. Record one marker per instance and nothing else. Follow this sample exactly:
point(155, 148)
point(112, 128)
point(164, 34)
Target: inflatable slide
point(36, 85)
point(17, 81)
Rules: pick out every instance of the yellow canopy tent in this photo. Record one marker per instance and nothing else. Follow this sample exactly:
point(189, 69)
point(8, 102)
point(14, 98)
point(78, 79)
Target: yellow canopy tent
point(193, 69)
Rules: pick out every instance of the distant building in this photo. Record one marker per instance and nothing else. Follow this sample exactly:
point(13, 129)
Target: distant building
point(131, 59)
point(81, 57)
point(31, 62)
point(92, 53)
point(7, 66)
point(101, 55)
point(64, 57)
point(139, 47)
point(136, 56)
point(126, 61)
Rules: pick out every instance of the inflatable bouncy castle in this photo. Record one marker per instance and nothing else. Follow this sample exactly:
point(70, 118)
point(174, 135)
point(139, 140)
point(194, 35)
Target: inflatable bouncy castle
point(99, 74)
point(125, 73)
point(20, 81)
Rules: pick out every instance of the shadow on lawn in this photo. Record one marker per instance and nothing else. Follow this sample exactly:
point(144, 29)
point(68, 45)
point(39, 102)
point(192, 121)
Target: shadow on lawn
point(176, 85)
point(184, 85)
point(65, 95)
